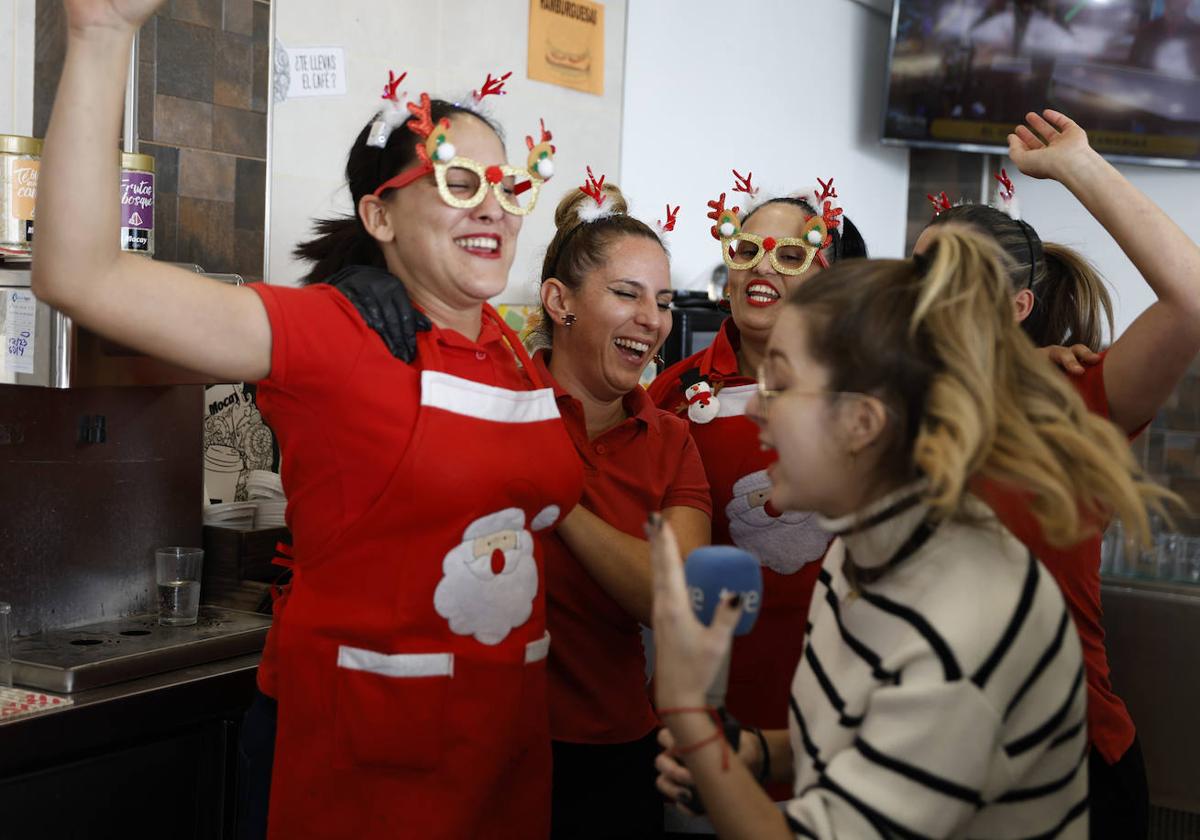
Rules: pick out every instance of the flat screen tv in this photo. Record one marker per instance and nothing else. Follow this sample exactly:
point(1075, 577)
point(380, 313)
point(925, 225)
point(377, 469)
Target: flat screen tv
point(962, 73)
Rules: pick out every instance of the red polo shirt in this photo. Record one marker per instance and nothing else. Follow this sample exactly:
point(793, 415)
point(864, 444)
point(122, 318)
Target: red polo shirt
point(597, 669)
point(326, 363)
point(1077, 570)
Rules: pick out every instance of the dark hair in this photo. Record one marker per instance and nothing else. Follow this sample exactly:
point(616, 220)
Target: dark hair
point(847, 241)
point(1071, 304)
point(343, 240)
point(579, 247)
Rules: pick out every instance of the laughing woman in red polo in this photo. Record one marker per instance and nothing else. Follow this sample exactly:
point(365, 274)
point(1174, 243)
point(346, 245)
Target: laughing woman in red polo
point(1059, 298)
point(770, 247)
point(421, 452)
point(606, 288)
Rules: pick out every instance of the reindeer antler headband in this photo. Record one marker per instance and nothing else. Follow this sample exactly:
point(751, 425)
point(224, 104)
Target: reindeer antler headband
point(1007, 204)
point(788, 255)
point(515, 189)
point(1006, 193)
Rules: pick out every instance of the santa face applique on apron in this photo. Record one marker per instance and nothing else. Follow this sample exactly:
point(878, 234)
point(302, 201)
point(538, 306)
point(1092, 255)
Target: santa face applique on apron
point(783, 541)
point(491, 578)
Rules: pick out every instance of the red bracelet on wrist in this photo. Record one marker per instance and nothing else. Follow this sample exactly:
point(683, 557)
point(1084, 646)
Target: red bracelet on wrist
point(719, 735)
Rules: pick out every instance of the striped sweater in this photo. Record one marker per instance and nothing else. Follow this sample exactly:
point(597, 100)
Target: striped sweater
point(943, 698)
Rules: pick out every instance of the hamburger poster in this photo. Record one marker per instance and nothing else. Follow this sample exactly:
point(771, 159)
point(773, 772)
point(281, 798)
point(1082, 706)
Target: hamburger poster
point(566, 44)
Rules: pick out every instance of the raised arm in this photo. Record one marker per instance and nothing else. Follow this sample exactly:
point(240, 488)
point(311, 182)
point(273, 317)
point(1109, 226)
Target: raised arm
point(78, 266)
point(1147, 361)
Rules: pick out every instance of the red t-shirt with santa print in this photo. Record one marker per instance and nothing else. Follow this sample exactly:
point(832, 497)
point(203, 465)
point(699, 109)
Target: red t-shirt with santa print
point(1077, 570)
point(597, 669)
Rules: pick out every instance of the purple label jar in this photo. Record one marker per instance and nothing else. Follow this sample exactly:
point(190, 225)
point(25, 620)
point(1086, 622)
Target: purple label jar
point(137, 204)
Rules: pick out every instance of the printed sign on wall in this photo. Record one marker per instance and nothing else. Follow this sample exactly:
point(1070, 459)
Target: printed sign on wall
point(566, 44)
point(309, 71)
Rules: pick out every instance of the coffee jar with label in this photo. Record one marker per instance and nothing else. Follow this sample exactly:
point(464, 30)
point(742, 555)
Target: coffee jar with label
point(20, 161)
point(137, 203)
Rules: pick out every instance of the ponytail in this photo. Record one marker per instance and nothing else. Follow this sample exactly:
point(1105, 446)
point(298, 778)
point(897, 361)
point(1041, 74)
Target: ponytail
point(1072, 305)
point(936, 340)
point(336, 244)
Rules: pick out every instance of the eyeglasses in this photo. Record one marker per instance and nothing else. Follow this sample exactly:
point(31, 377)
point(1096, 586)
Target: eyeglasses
point(789, 255)
point(766, 395)
point(463, 183)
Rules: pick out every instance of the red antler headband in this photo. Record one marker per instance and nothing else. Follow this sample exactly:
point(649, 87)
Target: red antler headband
point(669, 225)
point(436, 152)
point(941, 203)
point(393, 82)
point(742, 184)
point(436, 137)
point(491, 87)
point(1008, 196)
point(390, 115)
point(599, 207)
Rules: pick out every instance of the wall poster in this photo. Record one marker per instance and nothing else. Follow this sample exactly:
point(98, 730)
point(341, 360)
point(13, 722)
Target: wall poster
point(566, 44)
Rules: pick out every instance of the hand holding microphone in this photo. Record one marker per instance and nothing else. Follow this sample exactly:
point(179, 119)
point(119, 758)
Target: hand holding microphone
point(720, 587)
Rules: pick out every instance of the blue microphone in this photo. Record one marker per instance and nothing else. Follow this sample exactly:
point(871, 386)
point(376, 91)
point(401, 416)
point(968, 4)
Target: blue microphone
point(717, 569)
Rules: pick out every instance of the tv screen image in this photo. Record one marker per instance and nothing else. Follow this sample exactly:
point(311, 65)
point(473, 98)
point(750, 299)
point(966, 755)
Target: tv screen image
point(963, 73)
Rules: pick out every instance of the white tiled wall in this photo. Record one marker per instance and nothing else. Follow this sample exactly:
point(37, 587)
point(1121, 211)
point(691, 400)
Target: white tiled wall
point(16, 66)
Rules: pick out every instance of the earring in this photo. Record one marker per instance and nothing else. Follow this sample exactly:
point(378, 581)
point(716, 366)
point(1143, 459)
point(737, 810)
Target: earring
point(569, 319)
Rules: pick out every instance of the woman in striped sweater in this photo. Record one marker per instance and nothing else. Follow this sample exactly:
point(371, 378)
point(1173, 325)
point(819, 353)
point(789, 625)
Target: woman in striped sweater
point(941, 690)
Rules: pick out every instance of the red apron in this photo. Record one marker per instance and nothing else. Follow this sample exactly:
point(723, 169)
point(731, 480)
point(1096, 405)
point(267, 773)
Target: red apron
point(412, 666)
point(787, 544)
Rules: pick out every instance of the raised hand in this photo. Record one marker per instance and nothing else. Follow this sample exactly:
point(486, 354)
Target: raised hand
point(121, 15)
point(687, 654)
point(1047, 146)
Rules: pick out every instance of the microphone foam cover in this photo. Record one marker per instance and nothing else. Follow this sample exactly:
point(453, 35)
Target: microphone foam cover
point(714, 569)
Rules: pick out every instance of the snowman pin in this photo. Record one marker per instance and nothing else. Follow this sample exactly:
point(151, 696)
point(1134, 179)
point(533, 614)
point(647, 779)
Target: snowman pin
point(702, 403)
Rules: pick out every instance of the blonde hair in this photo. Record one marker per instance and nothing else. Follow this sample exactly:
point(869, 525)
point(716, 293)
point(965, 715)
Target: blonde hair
point(935, 339)
point(579, 247)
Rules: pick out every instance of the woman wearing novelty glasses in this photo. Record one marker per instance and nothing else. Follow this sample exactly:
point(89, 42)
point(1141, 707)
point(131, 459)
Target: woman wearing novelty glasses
point(774, 246)
point(419, 457)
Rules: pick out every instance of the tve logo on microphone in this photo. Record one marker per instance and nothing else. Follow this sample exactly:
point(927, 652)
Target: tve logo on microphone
point(716, 570)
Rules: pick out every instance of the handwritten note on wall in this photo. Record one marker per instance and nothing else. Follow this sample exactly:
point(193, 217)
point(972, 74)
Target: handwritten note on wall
point(314, 71)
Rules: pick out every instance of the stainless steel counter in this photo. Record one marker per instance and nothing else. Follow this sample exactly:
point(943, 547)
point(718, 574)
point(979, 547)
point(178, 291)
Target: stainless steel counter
point(113, 652)
point(136, 709)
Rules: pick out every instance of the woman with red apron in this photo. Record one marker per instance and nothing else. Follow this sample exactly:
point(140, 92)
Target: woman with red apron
point(411, 657)
point(421, 452)
point(425, 713)
point(775, 244)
